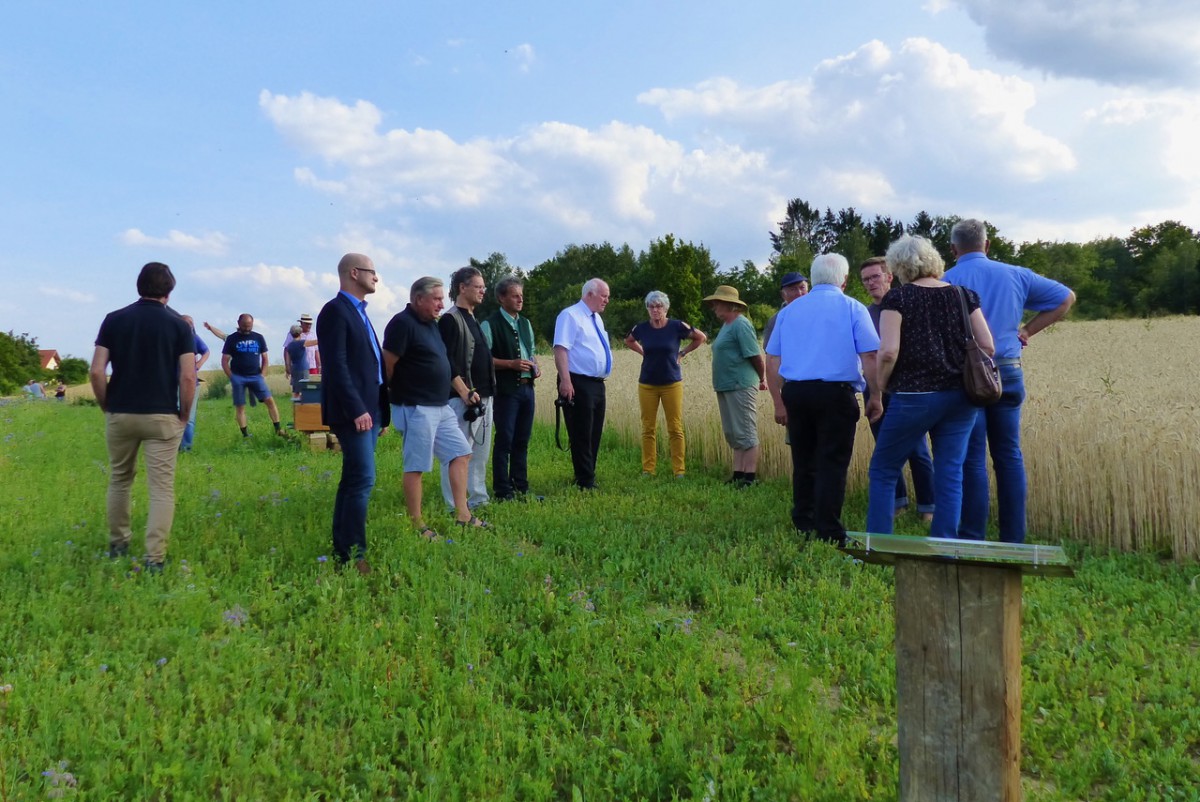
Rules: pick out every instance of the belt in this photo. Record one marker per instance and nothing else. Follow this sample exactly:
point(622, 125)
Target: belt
point(578, 376)
point(817, 381)
point(524, 380)
point(1008, 361)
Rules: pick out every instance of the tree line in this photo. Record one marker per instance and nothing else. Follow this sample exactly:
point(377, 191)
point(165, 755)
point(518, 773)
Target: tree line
point(1153, 271)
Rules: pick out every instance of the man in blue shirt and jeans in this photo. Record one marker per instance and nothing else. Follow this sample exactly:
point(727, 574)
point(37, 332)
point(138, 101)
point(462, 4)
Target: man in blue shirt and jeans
point(1005, 293)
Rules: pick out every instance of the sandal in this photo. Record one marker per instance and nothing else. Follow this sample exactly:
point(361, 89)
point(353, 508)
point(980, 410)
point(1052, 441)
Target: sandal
point(429, 534)
point(473, 522)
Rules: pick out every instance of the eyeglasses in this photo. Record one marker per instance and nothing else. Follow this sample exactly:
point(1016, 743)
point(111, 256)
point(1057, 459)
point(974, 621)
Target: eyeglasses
point(869, 279)
point(367, 270)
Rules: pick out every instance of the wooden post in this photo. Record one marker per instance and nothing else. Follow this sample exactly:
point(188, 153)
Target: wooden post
point(958, 681)
point(958, 661)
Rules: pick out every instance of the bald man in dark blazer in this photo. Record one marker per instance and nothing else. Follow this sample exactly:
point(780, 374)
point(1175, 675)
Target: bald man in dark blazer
point(353, 402)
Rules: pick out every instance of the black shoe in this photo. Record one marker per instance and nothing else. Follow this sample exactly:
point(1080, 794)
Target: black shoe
point(117, 552)
point(153, 568)
point(504, 498)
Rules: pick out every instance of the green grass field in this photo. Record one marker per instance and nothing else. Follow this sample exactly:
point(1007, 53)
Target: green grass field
point(660, 639)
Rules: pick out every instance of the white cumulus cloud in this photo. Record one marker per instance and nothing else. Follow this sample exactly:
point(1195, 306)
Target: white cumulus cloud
point(213, 243)
point(554, 180)
point(910, 115)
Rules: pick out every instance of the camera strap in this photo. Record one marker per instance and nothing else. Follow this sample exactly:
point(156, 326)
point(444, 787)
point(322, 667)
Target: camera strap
point(558, 416)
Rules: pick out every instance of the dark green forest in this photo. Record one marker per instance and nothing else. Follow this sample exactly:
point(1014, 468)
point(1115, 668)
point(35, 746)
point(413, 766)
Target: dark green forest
point(1153, 271)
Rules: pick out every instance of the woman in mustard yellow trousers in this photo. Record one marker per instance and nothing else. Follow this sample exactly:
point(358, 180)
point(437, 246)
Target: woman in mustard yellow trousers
point(658, 340)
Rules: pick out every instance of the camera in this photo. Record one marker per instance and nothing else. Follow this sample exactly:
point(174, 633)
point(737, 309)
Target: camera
point(473, 412)
point(563, 401)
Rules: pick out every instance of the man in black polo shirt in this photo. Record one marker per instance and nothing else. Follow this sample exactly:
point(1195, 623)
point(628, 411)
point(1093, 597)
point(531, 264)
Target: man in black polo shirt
point(419, 380)
point(146, 403)
point(244, 360)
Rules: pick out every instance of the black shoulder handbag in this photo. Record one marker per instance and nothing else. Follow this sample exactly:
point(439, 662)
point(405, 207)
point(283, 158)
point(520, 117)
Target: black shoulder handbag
point(981, 377)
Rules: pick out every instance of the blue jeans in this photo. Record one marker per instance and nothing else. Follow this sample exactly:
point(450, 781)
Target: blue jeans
point(997, 430)
point(948, 417)
point(189, 431)
point(354, 489)
point(920, 464)
point(513, 419)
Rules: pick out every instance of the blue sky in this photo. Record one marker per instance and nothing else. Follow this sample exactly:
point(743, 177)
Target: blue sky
point(249, 145)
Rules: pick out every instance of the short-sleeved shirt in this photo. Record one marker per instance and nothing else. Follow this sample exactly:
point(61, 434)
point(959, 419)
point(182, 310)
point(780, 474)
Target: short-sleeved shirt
point(421, 376)
point(297, 351)
point(660, 363)
point(1005, 292)
point(582, 334)
point(305, 336)
point(199, 348)
point(479, 374)
point(819, 336)
point(735, 345)
point(145, 341)
point(245, 352)
point(932, 337)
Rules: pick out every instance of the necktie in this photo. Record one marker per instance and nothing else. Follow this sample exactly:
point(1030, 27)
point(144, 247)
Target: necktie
point(604, 342)
point(362, 310)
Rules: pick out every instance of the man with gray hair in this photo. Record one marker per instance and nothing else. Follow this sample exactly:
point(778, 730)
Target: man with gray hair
point(419, 383)
point(583, 357)
point(1005, 293)
point(822, 344)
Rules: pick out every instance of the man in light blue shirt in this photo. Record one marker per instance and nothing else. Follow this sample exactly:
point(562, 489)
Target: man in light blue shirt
point(1006, 292)
point(822, 345)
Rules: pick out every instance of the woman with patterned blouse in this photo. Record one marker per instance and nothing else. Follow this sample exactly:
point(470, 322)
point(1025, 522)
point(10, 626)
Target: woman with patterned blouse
point(922, 346)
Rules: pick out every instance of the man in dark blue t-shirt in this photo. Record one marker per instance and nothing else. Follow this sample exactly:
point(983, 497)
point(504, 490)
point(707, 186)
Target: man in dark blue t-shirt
point(244, 358)
point(419, 380)
point(146, 403)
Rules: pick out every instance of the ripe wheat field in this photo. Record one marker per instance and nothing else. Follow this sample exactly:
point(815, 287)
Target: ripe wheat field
point(1109, 431)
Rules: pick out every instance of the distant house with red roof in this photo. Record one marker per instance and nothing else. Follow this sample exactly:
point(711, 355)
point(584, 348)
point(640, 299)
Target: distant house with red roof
point(50, 359)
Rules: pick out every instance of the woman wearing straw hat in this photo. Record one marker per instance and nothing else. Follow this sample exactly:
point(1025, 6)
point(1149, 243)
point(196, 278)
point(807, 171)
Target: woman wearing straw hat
point(739, 374)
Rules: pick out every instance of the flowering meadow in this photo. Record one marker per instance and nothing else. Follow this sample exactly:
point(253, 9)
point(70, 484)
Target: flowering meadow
point(659, 639)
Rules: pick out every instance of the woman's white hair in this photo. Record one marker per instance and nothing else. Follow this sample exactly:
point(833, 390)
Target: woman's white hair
point(910, 258)
point(658, 297)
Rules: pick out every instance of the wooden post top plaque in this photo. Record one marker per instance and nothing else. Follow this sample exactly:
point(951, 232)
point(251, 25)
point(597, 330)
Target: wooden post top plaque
point(1031, 559)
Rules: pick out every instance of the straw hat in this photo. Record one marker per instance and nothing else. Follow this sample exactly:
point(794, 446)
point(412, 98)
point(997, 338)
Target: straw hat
point(727, 294)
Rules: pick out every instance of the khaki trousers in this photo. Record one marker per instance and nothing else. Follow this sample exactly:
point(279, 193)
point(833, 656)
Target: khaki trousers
point(160, 434)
